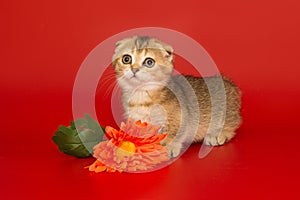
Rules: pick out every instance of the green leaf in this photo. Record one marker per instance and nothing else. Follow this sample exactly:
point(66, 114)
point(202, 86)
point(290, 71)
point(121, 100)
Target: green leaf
point(80, 122)
point(79, 142)
point(65, 130)
point(72, 125)
point(75, 149)
point(92, 124)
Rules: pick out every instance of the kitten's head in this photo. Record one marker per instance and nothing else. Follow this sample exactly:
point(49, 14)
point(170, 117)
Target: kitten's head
point(142, 63)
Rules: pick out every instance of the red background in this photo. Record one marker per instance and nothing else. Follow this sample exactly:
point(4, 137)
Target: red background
point(256, 43)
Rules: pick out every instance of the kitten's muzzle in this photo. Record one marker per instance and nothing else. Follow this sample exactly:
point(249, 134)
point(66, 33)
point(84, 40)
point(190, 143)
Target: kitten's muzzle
point(135, 70)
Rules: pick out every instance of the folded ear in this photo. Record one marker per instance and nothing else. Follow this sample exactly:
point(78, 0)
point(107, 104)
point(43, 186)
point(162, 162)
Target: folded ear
point(120, 46)
point(168, 49)
point(120, 43)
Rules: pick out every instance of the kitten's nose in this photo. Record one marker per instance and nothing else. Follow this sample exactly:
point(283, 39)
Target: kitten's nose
point(135, 70)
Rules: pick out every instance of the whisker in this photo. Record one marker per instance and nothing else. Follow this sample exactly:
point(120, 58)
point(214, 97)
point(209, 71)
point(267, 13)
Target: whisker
point(109, 84)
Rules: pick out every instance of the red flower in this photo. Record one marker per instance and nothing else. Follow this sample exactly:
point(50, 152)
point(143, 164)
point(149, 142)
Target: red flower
point(135, 147)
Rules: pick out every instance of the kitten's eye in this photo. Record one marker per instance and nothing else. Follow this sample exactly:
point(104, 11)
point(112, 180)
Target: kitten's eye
point(149, 62)
point(126, 59)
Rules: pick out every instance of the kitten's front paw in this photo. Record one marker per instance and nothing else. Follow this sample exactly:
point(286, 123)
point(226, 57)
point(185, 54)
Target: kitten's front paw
point(214, 140)
point(174, 149)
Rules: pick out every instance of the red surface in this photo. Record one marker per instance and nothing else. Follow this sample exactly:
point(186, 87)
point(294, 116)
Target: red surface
point(255, 42)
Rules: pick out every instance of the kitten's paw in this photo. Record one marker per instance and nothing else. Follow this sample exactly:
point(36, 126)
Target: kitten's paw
point(215, 140)
point(174, 149)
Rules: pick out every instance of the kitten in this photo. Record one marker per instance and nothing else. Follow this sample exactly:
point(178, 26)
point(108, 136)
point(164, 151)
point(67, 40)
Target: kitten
point(143, 68)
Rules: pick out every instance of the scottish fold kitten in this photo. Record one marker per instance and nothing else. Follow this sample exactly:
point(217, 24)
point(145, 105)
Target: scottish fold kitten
point(143, 68)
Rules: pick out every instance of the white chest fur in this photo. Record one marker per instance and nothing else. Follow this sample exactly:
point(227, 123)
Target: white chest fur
point(140, 106)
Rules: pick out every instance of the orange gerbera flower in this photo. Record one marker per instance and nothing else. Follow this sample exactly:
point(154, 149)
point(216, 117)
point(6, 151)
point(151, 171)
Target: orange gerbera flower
point(135, 147)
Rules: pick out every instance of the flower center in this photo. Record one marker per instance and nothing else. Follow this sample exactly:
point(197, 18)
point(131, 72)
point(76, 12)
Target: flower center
point(126, 148)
